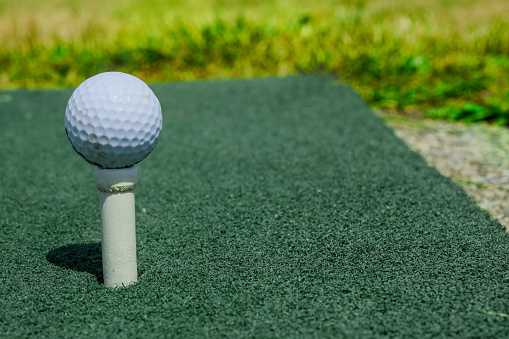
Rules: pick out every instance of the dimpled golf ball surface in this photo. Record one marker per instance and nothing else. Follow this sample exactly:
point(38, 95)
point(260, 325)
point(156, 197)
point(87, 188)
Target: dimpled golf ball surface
point(113, 120)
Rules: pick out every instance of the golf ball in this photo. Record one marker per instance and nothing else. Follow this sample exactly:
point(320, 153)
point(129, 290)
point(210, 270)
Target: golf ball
point(113, 120)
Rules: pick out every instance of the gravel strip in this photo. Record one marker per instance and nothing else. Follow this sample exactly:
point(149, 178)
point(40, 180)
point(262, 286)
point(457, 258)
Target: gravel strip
point(475, 156)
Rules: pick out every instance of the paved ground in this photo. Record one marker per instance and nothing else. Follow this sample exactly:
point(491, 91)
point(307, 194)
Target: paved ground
point(475, 156)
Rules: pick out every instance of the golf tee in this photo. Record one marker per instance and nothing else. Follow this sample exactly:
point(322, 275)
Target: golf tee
point(118, 228)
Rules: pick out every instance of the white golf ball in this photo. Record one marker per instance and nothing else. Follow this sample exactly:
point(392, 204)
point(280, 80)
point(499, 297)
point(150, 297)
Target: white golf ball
point(113, 120)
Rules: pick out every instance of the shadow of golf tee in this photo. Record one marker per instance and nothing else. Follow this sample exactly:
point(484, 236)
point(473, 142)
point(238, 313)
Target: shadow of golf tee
point(79, 257)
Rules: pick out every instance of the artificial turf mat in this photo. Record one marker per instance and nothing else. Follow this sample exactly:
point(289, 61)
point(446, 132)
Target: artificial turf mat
point(270, 208)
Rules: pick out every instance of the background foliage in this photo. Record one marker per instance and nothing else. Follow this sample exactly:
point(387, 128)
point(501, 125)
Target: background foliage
point(448, 58)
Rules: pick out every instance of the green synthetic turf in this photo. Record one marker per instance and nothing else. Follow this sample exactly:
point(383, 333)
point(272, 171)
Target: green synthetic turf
point(270, 208)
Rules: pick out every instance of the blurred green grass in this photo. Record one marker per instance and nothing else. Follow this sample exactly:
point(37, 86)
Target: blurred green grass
point(449, 59)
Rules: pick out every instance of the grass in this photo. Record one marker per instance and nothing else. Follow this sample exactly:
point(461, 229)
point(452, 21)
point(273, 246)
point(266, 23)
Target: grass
point(447, 58)
point(289, 212)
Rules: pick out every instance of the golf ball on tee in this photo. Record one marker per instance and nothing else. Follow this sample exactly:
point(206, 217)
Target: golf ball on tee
point(113, 120)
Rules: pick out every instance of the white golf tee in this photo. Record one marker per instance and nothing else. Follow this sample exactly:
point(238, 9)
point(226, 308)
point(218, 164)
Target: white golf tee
point(118, 228)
